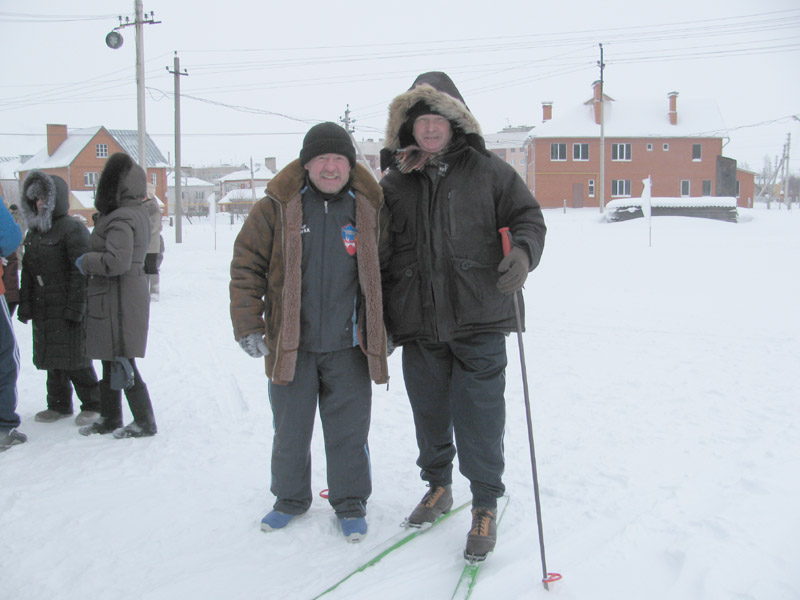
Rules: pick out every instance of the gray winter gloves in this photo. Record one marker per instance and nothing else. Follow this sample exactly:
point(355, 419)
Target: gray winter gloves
point(254, 345)
point(515, 270)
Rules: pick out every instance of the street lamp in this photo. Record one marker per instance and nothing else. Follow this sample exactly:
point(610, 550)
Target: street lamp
point(114, 41)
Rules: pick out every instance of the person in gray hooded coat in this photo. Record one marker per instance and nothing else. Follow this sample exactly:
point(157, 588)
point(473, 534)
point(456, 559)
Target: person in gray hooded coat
point(53, 297)
point(118, 294)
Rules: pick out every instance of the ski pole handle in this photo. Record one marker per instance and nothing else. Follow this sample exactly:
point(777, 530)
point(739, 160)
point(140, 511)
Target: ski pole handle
point(505, 237)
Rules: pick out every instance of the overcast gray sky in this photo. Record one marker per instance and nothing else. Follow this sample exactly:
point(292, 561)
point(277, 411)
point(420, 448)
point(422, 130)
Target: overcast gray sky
point(260, 76)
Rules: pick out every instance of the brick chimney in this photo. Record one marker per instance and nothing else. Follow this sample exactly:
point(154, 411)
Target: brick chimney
point(547, 111)
point(56, 134)
point(596, 98)
point(673, 108)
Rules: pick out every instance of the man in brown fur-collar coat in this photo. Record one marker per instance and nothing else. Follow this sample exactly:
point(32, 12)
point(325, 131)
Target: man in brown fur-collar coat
point(306, 295)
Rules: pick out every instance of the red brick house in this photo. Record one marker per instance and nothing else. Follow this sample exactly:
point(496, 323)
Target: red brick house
point(78, 156)
point(680, 148)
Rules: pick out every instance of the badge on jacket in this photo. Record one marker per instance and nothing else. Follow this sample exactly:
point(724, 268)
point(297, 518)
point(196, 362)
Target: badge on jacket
point(350, 239)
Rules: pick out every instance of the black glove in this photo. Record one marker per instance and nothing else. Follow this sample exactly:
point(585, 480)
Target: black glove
point(515, 270)
point(254, 345)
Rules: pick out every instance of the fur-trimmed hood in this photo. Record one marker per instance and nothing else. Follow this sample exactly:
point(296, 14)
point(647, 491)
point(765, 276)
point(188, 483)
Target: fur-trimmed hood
point(292, 179)
point(122, 179)
point(440, 93)
point(55, 193)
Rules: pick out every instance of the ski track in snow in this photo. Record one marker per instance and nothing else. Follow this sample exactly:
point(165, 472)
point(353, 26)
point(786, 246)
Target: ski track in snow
point(663, 386)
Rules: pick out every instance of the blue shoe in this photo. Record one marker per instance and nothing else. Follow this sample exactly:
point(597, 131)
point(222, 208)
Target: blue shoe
point(275, 519)
point(354, 529)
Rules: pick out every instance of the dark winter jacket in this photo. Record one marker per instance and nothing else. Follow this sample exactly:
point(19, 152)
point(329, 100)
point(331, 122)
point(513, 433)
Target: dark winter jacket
point(52, 289)
point(118, 292)
point(445, 216)
point(266, 272)
point(329, 288)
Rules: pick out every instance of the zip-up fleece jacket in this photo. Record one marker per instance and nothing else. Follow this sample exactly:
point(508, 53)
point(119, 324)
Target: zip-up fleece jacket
point(266, 271)
point(442, 280)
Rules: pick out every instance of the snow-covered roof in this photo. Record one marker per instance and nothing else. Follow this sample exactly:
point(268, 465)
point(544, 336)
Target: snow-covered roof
point(260, 173)
point(77, 140)
point(188, 181)
point(84, 199)
point(129, 140)
point(240, 195)
point(81, 199)
point(636, 119)
point(674, 202)
point(65, 154)
point(9, 166)
point(507, 139)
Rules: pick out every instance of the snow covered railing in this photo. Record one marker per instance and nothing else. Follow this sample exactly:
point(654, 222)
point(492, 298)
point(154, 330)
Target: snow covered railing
point(722, 208)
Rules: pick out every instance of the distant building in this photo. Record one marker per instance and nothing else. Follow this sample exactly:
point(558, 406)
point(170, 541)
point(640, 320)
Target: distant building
point(9, 182)
point(512, 145)
point(195, 194)
point(249, 186)
point(79, 155)
point(681, 150)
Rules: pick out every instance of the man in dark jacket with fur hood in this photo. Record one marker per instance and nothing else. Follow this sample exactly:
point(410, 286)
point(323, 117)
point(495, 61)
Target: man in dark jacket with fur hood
point(449, 291)
point(306, 295)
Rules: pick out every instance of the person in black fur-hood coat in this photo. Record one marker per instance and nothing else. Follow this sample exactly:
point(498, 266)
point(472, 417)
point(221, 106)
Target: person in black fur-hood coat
point(449, 290)
point(53, 296)
point(118, 293)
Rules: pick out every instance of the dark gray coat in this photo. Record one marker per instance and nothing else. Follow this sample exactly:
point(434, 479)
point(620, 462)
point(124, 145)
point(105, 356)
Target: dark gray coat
point(118, 292)
point(445, 216)
point(52, 290)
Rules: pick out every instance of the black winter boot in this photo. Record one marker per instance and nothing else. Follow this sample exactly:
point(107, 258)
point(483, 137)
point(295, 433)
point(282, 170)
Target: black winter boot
point(144, 421)
point(110, 411)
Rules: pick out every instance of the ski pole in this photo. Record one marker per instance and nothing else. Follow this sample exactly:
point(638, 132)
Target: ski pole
point(505, 236)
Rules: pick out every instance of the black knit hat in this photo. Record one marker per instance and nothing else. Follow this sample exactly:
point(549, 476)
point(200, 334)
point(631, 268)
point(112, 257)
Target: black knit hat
point(327, 138)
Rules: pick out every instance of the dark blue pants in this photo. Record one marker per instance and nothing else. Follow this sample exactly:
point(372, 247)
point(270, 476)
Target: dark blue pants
point(9, 370)
point(456, 391)
point(339, 383)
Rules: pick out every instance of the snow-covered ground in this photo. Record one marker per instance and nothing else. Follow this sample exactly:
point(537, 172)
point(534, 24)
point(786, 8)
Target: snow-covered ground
point(664, 386)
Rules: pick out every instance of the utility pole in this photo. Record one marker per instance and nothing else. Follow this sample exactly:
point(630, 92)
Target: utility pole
point(178, 173)
point(114, 40)
point(347, 121)
point(786, 198)
point(602, 137)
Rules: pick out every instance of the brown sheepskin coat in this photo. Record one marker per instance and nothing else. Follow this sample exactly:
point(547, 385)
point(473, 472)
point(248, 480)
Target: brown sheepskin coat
point(266, 271)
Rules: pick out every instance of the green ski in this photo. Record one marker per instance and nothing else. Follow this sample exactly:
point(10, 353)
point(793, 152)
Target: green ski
point(392, 544)
point(469, 574)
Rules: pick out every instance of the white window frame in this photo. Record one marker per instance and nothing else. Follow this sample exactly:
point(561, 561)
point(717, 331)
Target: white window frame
point(591, 188)
point(90, 178)
point(622, 152)
point(699, 148)
point(101, 151)
point(621, 188)
point(556, 148)
point(649, 147)
point(687, 186)
point(665, 147)
point(578, 149)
